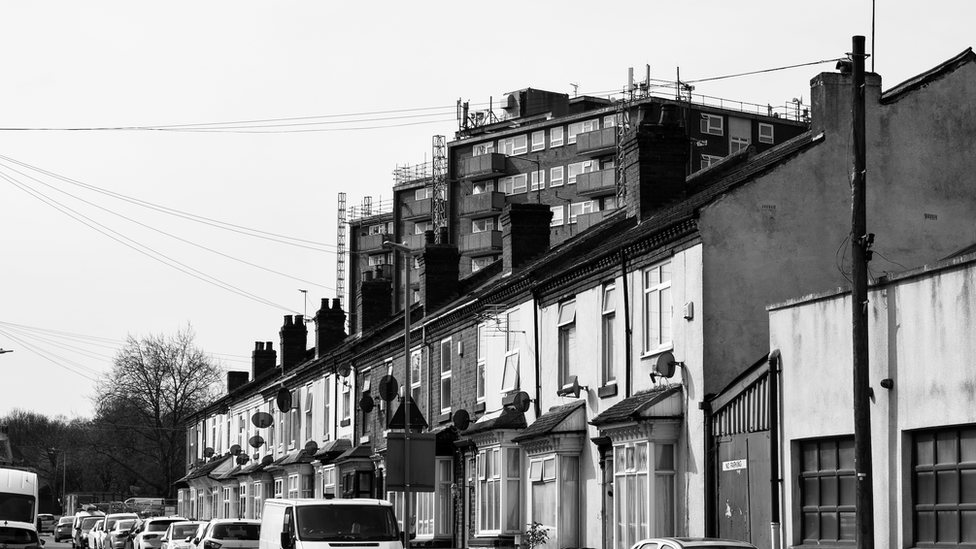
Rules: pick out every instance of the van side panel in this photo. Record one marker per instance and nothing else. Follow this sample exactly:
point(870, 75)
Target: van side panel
point(272, 524)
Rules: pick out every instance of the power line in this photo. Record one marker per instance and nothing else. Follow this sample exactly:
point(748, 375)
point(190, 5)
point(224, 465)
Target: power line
point(145, 250)
point(292, 241)
point(185, 241)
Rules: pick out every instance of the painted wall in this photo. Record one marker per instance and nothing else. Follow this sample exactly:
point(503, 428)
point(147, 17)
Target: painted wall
point(921, 327)
point(786, 234)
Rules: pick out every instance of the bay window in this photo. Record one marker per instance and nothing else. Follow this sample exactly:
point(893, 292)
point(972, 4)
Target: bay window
point(498, 487)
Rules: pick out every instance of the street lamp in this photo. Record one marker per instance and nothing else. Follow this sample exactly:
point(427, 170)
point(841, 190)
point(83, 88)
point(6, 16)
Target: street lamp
point(405, 251)
point(64, 478)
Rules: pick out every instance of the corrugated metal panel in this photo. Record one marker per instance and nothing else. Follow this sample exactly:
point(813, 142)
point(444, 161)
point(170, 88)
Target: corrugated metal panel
point(747, 413)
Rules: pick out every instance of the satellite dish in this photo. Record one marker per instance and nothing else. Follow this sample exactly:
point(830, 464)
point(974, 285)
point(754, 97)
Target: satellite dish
point(224, 409)
point(235, 450)
point(262, 420)
point(283, 399)
point(665, 366)
point(208, 452)
point(256, 441)
point(366, 404)
point(311, 447)
point(572, 388)
point(344, 370)
point(388, 388)
point(521, 401)
point(267, 460)
point(461, 419)
point(242, 459)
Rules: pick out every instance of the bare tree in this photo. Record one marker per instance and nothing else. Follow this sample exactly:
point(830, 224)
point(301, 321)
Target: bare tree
point(155, 384)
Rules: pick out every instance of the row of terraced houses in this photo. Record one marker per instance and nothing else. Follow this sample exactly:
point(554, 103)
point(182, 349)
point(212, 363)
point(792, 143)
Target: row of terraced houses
point(630, 322)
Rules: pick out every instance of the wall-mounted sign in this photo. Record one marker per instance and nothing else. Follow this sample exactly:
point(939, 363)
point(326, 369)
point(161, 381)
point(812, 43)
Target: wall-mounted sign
point(734, 465)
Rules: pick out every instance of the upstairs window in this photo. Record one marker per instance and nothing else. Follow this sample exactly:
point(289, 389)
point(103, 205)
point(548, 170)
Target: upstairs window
point(567, 340)
point(556, 176)
point(513, 145)
point(538, 180)
point(557, 216)
point(422, 194)
point(483, 225)
point(482, 148)
point(712, 124)
point(446, 367)
point(577, 128)
point(577, 208)
point(515, 184)
point(657, 307)
point(577, 168)
point(766, 133)
point(556, 137)
point(538, 140)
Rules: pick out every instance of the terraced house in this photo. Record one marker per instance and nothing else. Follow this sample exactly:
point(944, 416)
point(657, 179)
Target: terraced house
point(583, 376)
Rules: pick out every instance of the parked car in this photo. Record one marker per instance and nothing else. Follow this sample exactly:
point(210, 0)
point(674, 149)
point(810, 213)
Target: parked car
point(229, 534)
point(148, 533)
point(179, 535)
point(19, 535)
point(691, 543)
point(95, 535)
point(80, 540)
point(45, 523)
point(63, 528)
point(115, 537)
point(111, 520)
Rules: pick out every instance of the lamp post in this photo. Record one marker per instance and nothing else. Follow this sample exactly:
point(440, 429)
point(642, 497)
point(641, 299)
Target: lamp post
point(405, 251)
point(64, 477)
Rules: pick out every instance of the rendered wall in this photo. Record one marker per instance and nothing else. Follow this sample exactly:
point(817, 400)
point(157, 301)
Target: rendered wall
point(921, 328)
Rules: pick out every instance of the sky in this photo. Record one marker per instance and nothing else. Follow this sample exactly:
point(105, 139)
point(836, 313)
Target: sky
point(177, 165)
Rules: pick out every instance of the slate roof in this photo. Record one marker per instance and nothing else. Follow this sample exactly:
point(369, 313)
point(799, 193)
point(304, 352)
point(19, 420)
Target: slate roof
point(549, 421)
point(629, 409)
point(205, 469)
point(291, 458)
point(332, 449)
point(509, 418)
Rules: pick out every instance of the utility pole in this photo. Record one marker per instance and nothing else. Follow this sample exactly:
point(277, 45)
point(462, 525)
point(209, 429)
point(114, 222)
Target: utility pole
point(864, 493)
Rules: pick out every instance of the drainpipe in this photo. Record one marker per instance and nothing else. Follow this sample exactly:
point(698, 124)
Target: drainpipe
point(711, 487)
point(773, 407)
point(627, 332)
point(538, 366)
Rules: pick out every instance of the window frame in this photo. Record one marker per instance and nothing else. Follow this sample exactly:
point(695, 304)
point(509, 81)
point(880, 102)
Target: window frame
point(557, 181)
point(825, 473)
point(767, 133)
point(566, 340)
point(446, 366)
point(608, 314)
point(537, 180)
point(555, 141)
point(649, 289)
point(577, 209)
point(560, 219)
point(538, 140)
point(712, 124)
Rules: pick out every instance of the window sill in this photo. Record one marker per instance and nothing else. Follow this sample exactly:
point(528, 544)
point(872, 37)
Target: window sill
point(645, 355)
point(443, 418)
point(607, 390)
point(479, 408)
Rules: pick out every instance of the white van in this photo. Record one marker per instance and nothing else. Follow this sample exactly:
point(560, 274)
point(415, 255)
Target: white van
point(315, 523)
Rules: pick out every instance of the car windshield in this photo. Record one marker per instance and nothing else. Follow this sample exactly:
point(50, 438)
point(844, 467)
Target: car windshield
point(87, 523)
point(65, 520)
point(10, 534)
point(236, 531)
point(181, 531)
point(124, 524)
point(159, 525)
point(346, 522)
point(16, 507)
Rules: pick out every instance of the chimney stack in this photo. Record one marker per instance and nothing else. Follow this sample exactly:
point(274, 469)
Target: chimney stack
point(263, 359)
point(525, 234)
point(655, 161)
point(236, 380)
point(330, 327)
point(439, 271)
point(376, 301)
point(294, 336)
